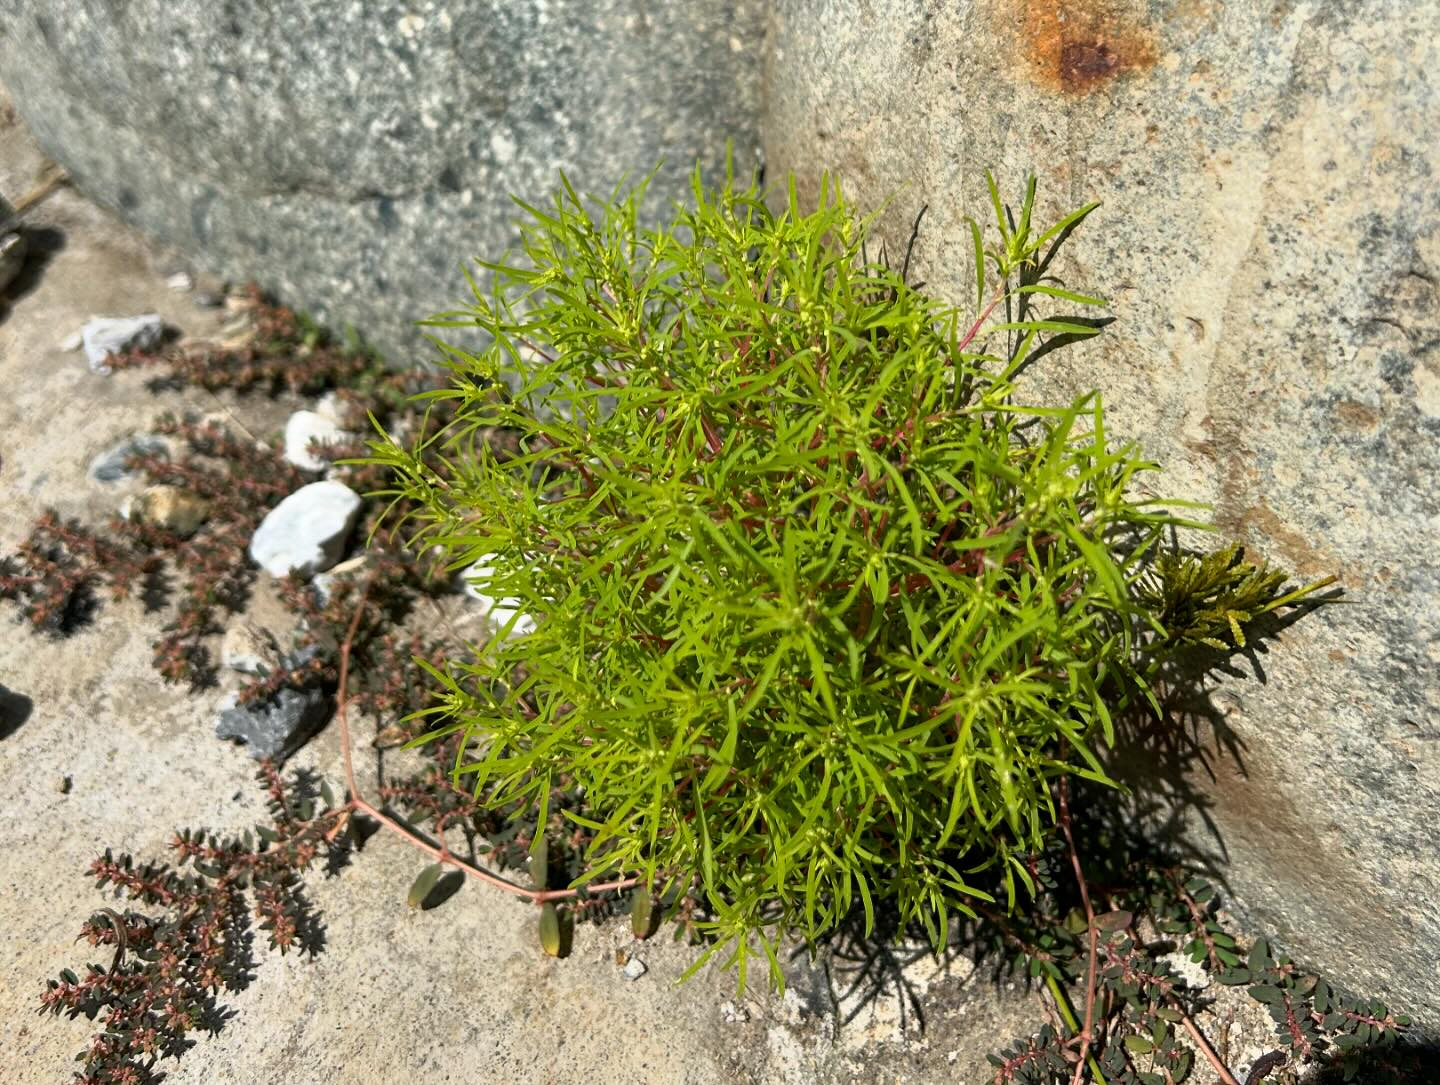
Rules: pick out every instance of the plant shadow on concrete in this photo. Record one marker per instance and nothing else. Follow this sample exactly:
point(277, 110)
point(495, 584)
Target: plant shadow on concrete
point(15, 709)
point(185, 933)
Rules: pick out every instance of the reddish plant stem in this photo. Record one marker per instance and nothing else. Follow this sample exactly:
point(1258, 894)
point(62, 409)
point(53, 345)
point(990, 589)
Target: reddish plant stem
point(712, 435)
point(358, 803)
point(1092, 972)
point(1199, 919)
point(1204, 1045)
point(980, 320)
point(1292, 1025)
point(1086, 1030)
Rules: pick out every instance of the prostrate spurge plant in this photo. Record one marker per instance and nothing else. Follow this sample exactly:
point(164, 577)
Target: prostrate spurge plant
point(822, 608)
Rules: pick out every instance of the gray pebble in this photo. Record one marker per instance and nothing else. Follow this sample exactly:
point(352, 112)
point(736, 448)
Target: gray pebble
point(109, 466)
point(275, 726)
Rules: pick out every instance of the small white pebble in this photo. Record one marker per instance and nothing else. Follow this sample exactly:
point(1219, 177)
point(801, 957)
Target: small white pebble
point(180, 281)
point(305, 428)
point(104, 336)
point(733, 1014)
point(331, 406)
point(634, 969)
point(499, 611)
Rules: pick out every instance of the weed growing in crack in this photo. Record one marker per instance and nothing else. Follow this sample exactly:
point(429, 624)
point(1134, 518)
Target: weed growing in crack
point(280, 349)
point(54, 574)
point(826, 613)
point(56, 571)
point(240, 481)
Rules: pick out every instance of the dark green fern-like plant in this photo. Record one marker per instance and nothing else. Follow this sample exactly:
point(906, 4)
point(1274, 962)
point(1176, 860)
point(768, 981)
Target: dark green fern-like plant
point(821, 607)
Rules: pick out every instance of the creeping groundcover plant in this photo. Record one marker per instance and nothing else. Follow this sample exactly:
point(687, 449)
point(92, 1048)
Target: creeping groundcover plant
point(801, 594)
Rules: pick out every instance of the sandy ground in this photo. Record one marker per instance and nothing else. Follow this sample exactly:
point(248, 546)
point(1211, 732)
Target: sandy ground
point(460, 992)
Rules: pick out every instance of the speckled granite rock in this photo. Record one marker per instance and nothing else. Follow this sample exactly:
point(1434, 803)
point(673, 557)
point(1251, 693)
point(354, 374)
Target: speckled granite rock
point(1270, 235)
point(352, 156)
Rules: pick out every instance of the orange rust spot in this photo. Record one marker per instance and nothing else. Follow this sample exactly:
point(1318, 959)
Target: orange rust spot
point(1289, 545)
point(1075, 46)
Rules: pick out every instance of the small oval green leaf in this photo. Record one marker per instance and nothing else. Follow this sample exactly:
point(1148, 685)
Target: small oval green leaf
point(1267, 994)
point(421, 886)
point(550, 929)
point(640, 911)
point(1260, 958)
point(1114, 921)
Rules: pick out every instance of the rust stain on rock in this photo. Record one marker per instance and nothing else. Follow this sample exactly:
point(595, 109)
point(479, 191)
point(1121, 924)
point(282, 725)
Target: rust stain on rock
point(1357, 415)
point(1077, 46)
point(1289, 545)
point(1257, 818)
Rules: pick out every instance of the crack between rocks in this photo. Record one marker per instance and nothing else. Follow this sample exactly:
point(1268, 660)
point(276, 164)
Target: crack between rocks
point(319, 193)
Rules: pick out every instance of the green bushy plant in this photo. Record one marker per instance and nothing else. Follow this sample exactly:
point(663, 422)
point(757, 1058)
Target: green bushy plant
point(822, 608)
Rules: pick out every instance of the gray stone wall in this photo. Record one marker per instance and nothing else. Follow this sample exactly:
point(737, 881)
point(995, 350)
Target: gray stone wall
point(1270, 237)
point(352, 156)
